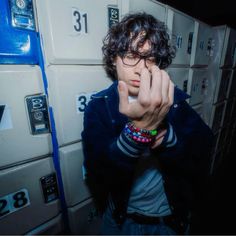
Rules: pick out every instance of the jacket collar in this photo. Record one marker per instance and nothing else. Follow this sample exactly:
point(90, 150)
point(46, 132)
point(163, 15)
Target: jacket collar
point(180, 95)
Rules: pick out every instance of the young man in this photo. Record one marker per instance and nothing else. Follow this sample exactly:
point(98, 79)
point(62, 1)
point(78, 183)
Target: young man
point(146, 150)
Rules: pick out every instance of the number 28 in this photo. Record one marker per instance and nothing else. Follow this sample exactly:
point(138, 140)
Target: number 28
point(13, 202)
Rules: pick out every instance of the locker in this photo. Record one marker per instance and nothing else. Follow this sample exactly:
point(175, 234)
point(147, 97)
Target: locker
point(197, 85)
point(71, 159)
point(223, 78)
point(20, 139)
point(224, 46)
point(201, 46)
point(51, 227)
point(228, 112)
point(70, 88)
point(157, 9)
point(179, 76)
point(70, 32)
point(217, 116)
point(181, 28)
point(18, 41)
point(84, 220)
point(232, 88)
point(23, 197)
point(228, 58)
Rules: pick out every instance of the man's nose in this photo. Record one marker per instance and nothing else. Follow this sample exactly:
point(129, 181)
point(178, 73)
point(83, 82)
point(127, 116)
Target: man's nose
point(141, 64)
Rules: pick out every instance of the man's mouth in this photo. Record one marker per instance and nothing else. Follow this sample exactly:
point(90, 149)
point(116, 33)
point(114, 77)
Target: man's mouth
point(135, 83)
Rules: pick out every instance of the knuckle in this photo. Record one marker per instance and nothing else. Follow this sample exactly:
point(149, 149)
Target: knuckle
point(145, 102)
point(157, 102)
point(156, 71)
point(165, 102)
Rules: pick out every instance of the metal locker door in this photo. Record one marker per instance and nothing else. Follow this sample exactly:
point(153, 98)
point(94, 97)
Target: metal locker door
point(232, 89)
point(27, 202)
point(218, 41)
point(200, 56)
point(157, 9)
point(24, 128)
point(84, 219)
point(222, 85)
point(197, 84)
point(71, 159)
point(179, 76)
point(181, 27)
point(228, 112)
point(70, 89)
point(223, 54)
point(17, 29)
point(228, 58)
point(70, 32)
point(217, 116)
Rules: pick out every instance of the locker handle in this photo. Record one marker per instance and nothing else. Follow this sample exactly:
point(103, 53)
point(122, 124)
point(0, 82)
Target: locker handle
point(2, 107)
point(190, 40)
point(234, 52)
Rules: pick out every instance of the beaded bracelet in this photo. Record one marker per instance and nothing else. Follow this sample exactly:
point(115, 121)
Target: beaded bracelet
point(142, 136)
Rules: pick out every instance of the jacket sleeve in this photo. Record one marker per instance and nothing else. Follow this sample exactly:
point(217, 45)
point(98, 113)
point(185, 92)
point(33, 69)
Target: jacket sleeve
point(103, 147)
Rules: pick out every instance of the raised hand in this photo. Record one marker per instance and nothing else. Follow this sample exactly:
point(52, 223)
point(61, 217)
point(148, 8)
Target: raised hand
point(156, 93)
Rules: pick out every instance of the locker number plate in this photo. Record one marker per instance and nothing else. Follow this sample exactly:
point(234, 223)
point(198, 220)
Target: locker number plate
point(82, 101)
point(14, 202)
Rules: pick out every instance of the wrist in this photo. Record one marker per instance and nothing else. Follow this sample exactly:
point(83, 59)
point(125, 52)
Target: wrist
point(142, 125)
point(140, 135)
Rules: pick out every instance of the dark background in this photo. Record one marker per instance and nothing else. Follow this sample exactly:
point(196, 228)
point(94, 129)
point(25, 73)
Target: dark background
point(215, 214)
point(209, 11)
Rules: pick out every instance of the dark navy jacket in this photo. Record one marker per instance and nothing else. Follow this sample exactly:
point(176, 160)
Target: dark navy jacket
point(184, 166)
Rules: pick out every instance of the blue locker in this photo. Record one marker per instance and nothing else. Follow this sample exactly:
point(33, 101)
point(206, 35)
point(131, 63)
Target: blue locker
point(18, 38)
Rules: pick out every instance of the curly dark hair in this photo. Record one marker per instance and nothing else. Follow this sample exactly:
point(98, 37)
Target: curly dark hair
point(121, 37)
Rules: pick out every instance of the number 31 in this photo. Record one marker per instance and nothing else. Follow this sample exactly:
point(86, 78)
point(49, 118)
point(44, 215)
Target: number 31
point(80, 21)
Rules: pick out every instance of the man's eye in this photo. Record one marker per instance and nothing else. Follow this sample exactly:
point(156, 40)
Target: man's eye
point(151, 59)
point(131, 56)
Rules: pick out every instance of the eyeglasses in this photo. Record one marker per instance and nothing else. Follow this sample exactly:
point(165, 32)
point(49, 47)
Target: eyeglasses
point(131, 59)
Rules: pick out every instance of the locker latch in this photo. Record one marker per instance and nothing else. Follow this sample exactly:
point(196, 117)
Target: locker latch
point(49, 187)
point(38, 114)
point(22, 15)
point(190, 40)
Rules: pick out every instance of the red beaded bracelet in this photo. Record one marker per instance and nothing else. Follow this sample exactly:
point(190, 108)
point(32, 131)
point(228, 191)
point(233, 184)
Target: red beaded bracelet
point(142, 136)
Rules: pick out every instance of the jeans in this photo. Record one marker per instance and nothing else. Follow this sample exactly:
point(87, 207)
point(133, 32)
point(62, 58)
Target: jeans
point(129, 227)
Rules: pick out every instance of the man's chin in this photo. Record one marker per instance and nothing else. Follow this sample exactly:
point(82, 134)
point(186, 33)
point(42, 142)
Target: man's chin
point(133, 92)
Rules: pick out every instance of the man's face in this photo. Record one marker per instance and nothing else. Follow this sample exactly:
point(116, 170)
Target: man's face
point(129, 69)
